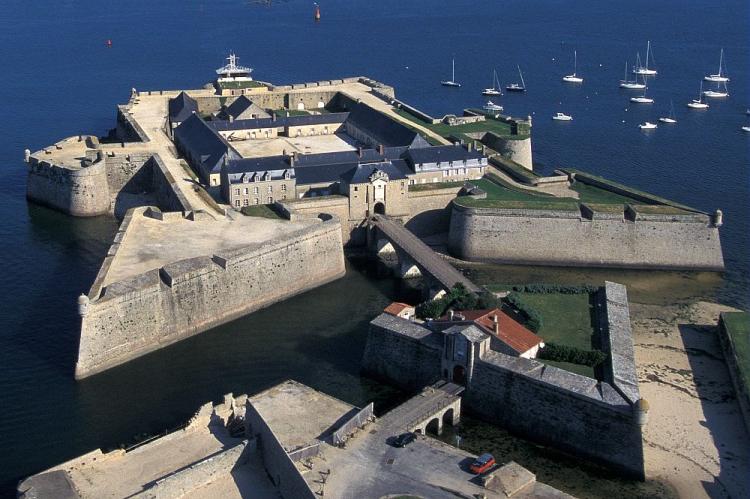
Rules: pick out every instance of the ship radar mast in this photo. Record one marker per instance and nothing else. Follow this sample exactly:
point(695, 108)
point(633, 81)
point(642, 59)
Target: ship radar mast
point(233, 72)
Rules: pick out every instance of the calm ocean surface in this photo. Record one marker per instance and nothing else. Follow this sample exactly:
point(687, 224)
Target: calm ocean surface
point(58, 79)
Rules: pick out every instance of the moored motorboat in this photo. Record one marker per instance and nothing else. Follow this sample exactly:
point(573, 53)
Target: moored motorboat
point(647, 125)
point(491, 106)
point(562, 117)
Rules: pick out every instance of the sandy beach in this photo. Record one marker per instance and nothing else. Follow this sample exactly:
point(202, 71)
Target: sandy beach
point(695, 438)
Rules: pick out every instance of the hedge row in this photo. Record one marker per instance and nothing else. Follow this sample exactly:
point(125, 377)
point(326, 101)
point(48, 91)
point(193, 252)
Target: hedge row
point(459, 298)
point(542, 288)
point(573, 355)
point(532, 318)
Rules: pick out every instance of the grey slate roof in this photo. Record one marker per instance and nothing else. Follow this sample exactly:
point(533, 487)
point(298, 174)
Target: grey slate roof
point(267, 163)
point(181, 107)
point(386, 130)
point(360, 174)
point(279, 122)
point(437, 154)
point(202, 144)
point(242, 104)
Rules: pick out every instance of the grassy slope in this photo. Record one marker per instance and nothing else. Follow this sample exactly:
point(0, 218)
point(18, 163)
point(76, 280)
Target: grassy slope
point(738, 327)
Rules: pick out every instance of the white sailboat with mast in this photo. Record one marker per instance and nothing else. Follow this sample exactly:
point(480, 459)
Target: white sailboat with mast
point(719, 92)
point(721, 76)
point(515, 87)
point(495, 89)
point(574, 78)
point(669, 119)
point(452, 82)
point(631, 85)
point(642, 99)
point(698, 103)
point(645, 70)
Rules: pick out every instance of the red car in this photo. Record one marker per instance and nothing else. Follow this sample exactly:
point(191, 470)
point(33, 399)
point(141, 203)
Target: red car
point(482, 463)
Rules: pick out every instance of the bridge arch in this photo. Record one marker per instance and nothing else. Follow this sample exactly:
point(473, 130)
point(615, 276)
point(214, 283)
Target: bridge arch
point(434, 426)
point(379, 208)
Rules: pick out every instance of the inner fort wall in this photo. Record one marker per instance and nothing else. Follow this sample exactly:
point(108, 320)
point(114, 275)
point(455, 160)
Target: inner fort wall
point(515, 235)
point(132, 317)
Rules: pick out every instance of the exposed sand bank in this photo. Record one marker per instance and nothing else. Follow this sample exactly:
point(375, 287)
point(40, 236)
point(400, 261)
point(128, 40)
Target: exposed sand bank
point(695, 439)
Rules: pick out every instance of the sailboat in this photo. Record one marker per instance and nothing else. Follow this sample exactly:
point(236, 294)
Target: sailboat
point(495, 89)
point(670, 118)
point(573, 78)
point(452, 82)
point(721, 76)
point(515, 87)
point(626, 83)
point(719, 92)
point(642, 99)
point(644, 70)
point(698, 103)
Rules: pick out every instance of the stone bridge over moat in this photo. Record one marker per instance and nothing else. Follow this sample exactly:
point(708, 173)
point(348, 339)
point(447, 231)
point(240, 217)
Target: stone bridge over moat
point(415, 258)
point(428, 410)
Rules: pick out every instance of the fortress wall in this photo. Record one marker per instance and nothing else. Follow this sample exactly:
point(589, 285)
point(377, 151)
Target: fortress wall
point(518, 150)
point(128, 129)
point(430, 211)
point(163, 184)
point(148, 311)
point(556, 407)
point(126, 172)
point(545, 237)
point(312, 207)
point(81, 192)
point(400, 359)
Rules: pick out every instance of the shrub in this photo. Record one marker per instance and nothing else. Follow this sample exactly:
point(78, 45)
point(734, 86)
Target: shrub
point(572, 355)
point(531, 317)
point(554, 288)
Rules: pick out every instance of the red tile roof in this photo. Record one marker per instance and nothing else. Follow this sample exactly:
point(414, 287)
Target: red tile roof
point(511, 332)
point(396, 308)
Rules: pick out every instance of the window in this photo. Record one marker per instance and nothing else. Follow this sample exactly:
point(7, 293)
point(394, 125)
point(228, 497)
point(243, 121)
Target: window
point(356, 188)
point(411, 181)
point(257, 201)
point(270, 199)
point(245, 202)
point(283, 187)
point(255, 190)
point(247, 191)
point(237, 192)
point(237, 203)
point(283, 196)
point(270, 188)
point(446, 173)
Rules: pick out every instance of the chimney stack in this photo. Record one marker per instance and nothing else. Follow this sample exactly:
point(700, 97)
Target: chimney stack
point(450, 314)
point(231, 119)
point(359, 151)
point(381, 150)
point(495, 325)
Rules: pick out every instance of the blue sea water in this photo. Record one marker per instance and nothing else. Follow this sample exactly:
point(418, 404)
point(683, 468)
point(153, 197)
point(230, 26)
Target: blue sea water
point(59, 79)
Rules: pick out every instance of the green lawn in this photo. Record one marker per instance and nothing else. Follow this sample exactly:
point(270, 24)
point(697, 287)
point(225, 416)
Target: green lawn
point(241, 84)
point(261, 210)
point(500, 194)
point(566, 320)
point(738, 327)
point(590, 194)
point(292, 112)
point(488, 125)
point(437, 185)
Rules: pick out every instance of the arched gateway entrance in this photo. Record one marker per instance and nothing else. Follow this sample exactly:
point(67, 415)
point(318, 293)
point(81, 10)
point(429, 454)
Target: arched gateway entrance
point(379, 208)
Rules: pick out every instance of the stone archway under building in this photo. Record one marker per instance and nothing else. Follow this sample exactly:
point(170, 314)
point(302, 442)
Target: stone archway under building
point(459, 375)
point(379, 208)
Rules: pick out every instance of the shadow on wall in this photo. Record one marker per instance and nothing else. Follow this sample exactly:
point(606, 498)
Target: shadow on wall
point(429, 222)
point(714, 388)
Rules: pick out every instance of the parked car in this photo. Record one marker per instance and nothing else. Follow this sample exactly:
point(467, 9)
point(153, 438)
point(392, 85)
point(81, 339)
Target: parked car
point(404, 439)
point(482, 463)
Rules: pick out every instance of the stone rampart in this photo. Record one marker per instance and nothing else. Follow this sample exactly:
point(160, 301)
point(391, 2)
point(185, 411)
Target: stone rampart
point(132, 317)
point(556, 407)
point(281, 469)
point(314, 206)
point(512, 148)
point(566, 238)
point(128, 129)
point(733, 360)
point(81, 192)
point(430, 211)
point(401, 353)
point(168, 194)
